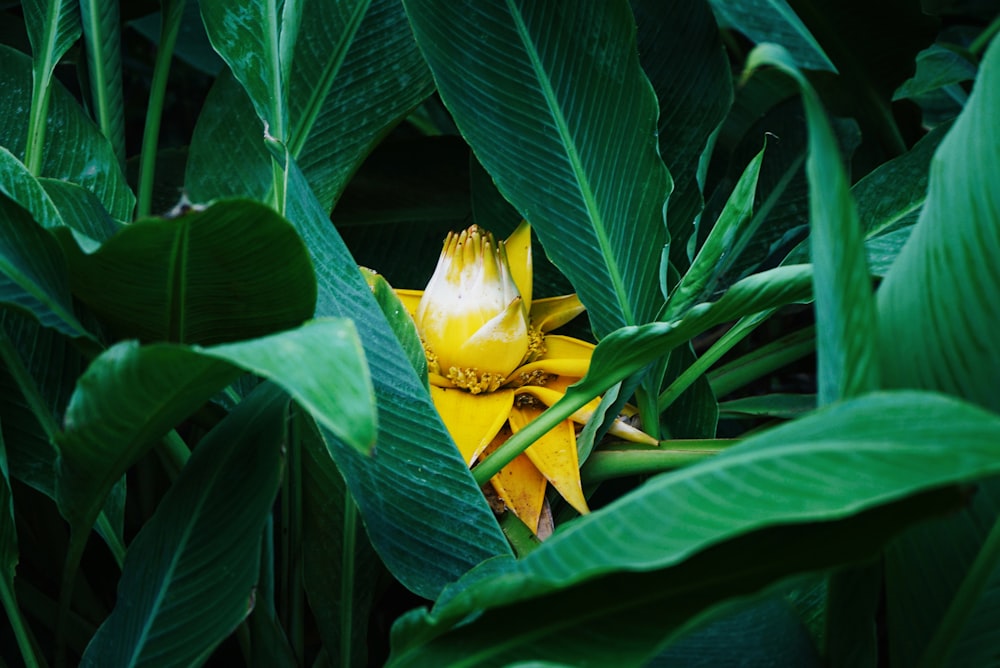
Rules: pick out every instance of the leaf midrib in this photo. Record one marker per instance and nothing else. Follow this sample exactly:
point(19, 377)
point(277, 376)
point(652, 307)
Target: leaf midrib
point(576, 164)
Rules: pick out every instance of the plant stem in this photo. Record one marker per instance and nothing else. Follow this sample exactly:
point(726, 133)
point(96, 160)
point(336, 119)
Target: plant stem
point(21, 631)
point(619, 463)
point(964, 601)
point(169, 29)
point(737, 333)
point(74, 553)
point(40, 90)
point(980, 43)
point(762, 361)
point(347, 578)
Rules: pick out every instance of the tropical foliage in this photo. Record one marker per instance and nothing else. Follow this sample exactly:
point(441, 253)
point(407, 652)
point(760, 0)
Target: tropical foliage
point(219, 440)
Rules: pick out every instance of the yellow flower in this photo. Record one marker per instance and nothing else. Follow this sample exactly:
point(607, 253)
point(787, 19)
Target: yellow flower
point(493, 366)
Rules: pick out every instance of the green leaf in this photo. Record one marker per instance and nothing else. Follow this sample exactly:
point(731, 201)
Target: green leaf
point(845, 307)
point(774, 21)
point(417, 471)
point(81, 155)
point(889, 200)
point(246, 36)
point(8, 566)
point(340, 567)
point(53, 26)
point(400, 321)
point(630, 349)
point(234, 270)
point(33, 272)
point(938, 317)
point(727, 239)
point(585, 172)
point(102, 35)
point(837, 482)
point(937, 67)
point(132, 395)
point(681, 51)
point(339, 104)
point(190, 573)
point(55, 203)
point(937, 322)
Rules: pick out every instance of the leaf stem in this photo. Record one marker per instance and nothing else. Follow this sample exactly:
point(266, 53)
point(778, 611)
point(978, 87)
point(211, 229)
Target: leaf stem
point(74, 553)
point(764, 360)
point(347, 577)
point(620, 463)
point(37, 116)
point(21, 631)
point(736, 333)
point(981, 42)
point(172, 12)
point(964, 602)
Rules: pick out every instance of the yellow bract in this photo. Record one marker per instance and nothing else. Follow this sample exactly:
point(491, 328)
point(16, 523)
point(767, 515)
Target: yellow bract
point(493, 368)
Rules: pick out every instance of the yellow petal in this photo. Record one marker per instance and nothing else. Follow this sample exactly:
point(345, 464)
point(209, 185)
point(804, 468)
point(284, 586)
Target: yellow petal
point(472, 419)
point(566, 347)
point(410, 299)
point(555, 389)
point(518, 246)
point(570, 368)
point(552, 312)
point(552, 393)
point(554, 455)
point(498, 346)
point(519, 484)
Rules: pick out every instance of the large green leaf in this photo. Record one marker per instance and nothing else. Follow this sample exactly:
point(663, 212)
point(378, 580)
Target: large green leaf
point(774, 21)
point(234, 270)
point(81, 154)
point(889, 201)
point(247, 36)
point(53, 26)
point(552, 99)
point(938, 316)
point(190, 573)
point(809, 494)
point(356, 72)
point(425, 515)
point(681, 51)
point(845, 307)
point(132, 395)
point(938, 320)
point(103, 37)
point(33, 271)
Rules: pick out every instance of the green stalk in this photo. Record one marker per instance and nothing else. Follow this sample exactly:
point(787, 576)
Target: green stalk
point(40, 90)
point(74, 554)
point(518, 535)
point(169, 29)
point(762, 361)
point(981, 42)
point(347, 577)
point(530, 433)
point(964, 602)
point(21, 632)
point(737, 333)
point(292, 564)
point(620, 463)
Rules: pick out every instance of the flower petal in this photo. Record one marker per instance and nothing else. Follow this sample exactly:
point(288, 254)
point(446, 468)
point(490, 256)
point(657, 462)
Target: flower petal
point(566, 347)
point(518, 246)
point(498, 346)
point(555, 390)
point(520, 485)
point(554, 455)
point(552, 312)
point(472, 419)
point(410, 299)
point(570, 368)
